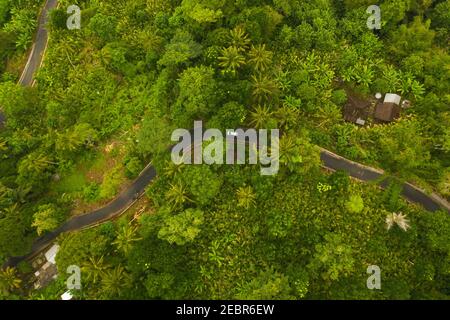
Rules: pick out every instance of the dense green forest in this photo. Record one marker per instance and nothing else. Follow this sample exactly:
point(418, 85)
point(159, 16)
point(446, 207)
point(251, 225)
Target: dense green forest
point(110, 94)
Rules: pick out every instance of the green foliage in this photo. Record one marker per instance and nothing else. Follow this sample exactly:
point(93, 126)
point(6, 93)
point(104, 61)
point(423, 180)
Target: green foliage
point(332, 259)
point(58, 19)
point(355, 204)
point(203, 184)
point(103, 26)
point(154, 136)
point(181, 49)
point(182, 228)
point(198, 92)
point(111, 183)
point(268, 285)
point(138, 69)
point(78, 247)
point(47, 218)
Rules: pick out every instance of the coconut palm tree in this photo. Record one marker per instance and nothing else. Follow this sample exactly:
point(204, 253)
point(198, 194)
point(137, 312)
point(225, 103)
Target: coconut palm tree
point(231, 59)
point(289, 153)
point(114, 282)
point(239, 38)
point(177, 195)
point(398, 219)
point(172, 170)
point(263, 88)
point(365, 75)
point(125, 239)
point(288, 116)
point(94, 268)
point(260, 58)
point(9, 280)
point(260, 116)
point(35, 162)
point(246, 197)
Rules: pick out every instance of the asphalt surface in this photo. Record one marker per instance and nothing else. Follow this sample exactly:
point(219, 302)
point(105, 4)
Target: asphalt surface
point(413, 194)
point(128, 197)
point(110, 211)
point(37, 52)
point(40, 43)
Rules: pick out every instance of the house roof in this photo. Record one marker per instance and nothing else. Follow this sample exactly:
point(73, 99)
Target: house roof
point(50, 255)
point(387, 112)
point(356, 108)
point(392, 98)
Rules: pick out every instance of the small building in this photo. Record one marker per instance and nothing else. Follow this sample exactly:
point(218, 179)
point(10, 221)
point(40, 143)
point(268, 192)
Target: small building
point(50, 255)
point(46, 265)
point(389, 110)
point(66, 296)
point(357, 110)
point(392, 98)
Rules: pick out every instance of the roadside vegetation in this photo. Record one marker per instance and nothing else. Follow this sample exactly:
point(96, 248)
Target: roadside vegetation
point(139, 69)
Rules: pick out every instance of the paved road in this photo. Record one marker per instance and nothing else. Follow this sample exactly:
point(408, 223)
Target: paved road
point(37, 52)
point(413, 194)
point(110, 211)
point(128, 197)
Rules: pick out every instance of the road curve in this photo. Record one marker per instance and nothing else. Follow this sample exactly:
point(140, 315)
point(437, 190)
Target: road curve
point(36, 56)
point(40, 44)
point(110, 211)
point(330, 161)
point(363, 173)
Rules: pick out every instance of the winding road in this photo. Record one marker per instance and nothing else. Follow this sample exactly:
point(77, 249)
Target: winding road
point(36, 56)
point(127, 198)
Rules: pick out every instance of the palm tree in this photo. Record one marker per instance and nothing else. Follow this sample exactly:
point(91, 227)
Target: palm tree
point(35, 162)
point(172, 170)
point(260, 116)
point(292, 102)
point(9, 280)
point(231, 59)
point(288, 116)
point(125, 239)
point(289, 153)
point(397, 219)
point(11, 210)
point(114, 281)
point(239, 38)
point(283, 80)
point(94, 268)
point(260, 58)
point(263, 87)
point(246, 197)
point(67, 141)
point(177, 195)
